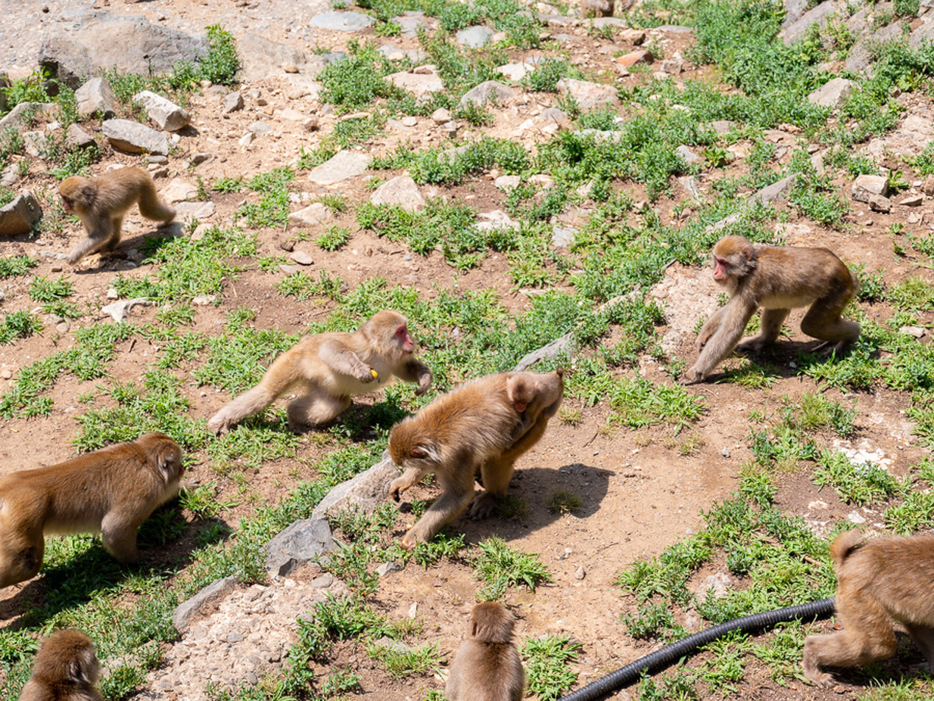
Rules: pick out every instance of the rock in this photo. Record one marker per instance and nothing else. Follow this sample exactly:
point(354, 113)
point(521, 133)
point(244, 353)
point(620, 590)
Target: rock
point(688, 156)
point(441, 116)
point(20, 216)
point(673, 65)
point(180, 190)
point(776, 192)
point(819, 15)
point(420, 81)
point(96, 97)
point(388, 568)
point(364, 492)
point(861, 55)
point(562, 236)
point(580, 573)
point(633, 57)
point(716, 586)
point(833, 93)
point(865, 186)
point(507, 182)
point(928, 187)
point(588, 95)
point(120, 310)
point(489, 91)
point(261, 58)
point(189, 211)
point(913, 331)
point(16, 119)
point(165, 114)
point(342, 21)
point(400, 191)
point(474, 37)
point(878, 203)
point(90, 42)
point(231, 103)
point(302, 258)
point(342, 166)
point(549, 351)
point(515, 71)
point(794, 9)
point(413, 21)
point(299, 543)
point(134, 137)
point(497, 219)
point(632, 36)
point(213, 592)
point(722, 126)
point(912, 201)
point(312, 215)
point(35, 143)
point(76, 137)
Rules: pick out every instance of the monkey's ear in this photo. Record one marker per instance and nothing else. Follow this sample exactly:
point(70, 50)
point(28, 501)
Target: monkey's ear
point(75, 672)
point(749, 252)
point(426, 451)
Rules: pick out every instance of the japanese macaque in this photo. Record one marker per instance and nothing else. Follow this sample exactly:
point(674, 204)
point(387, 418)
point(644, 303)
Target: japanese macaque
point(476, 427)
point(66, 669)
point(101, 203)
point(596, 8)
point(487, 665)
point(877, 580)
point(111, 491)
point(327, 369)
point(778, 279)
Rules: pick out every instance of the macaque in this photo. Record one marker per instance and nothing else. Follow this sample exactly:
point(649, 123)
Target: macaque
point(101, 203)
point(475, 427)
point(487, 665)
point(776, 278)
point(66, 669)
point(111, 491)
point(877, 580)
point(596, 8)
point(328, 369)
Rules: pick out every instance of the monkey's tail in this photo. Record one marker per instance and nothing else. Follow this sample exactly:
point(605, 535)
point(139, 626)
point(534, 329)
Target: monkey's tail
point(151, 207)
point(843, 545)
point(672, 653)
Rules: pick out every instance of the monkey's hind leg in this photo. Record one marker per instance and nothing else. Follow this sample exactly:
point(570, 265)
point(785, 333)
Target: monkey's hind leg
point(316, 408)
point(924, 639)
point(119, 537)
point(770, 327)
point(496, 475)
point(824, 321)
point(110, 244)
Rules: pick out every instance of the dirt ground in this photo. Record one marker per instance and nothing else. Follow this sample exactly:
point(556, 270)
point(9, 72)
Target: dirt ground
point(640, 492)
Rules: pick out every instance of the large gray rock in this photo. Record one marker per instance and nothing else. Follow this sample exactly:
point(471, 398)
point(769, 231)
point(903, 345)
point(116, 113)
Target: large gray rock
point(775, 192)
point(400, 191)
point(164, 113)
point(833, 93)
point(134, 137)
point(588, 95)
point(819, 15)
point(16, 119)
point(364, 492)
point(866, 186)
point(261, 58)
point(20, 216)
point(342, 21)
point(210, 595)
point(301, 542)
point(861, 54)
point(92, 41)
point(794, 9)
point(342, 166)
point(474, 37)
point(922, 34)
point(489, 91)
point(96, 97)
point(420, 81)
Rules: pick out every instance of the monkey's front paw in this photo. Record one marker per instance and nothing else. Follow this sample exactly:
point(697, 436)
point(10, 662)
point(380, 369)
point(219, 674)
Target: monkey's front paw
point(408, 541)
point(691, 377)
point(483, 506)
point(218, 425)
point(821, 679)
point(367, 375)
point(395, 492)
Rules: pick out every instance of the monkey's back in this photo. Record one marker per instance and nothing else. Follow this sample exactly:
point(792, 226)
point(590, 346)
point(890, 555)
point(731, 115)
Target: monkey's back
point(486, 672)
point(818, 272)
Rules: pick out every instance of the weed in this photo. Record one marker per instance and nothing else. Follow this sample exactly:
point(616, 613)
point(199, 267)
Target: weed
point(547, 665)
point(18, 325)
point(563, 502)
point(500, 566)
point(41, 289)
point(333, 238)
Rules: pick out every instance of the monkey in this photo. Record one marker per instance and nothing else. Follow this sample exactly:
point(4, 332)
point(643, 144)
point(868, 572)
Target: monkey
point(111, 491)
point(877, 580)
point(596, 8)
point(776, 278)
point(66, 669)
point(487, 665)
point(330, 368)
point(475, 427)
point(101, 203)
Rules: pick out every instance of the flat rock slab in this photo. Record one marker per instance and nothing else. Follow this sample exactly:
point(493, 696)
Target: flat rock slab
point(819, 15)
point(474, 37)
point(364, 492)
point(134, 137)
point(489, 91)
point(96, 97)
point(402, 192)
point(833, 93)
point(20, 216)
point(342, 166)
point(299, 543)
point(164, 113)
point(420, 81)
point(261, 58)
point(342, 21)
point(588, 95)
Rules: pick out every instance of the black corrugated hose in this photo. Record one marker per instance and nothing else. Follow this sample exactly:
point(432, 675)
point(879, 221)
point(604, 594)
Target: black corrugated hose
point(674, 652)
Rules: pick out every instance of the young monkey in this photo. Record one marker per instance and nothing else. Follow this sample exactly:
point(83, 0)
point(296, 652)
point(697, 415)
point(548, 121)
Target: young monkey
point(487, 665)
point(101, 203)
point(66, 669)
point(877, 580)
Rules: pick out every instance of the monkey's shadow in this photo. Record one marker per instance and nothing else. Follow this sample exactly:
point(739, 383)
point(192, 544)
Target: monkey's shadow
point(539, 496)
point(166, 542)
point(774, 360)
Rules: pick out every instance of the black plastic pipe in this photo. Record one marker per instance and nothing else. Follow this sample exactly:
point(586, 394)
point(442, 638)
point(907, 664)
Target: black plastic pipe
point(660, 659)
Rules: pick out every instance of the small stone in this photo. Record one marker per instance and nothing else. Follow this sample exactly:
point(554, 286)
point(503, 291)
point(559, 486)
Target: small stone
point(913, 331)
point(231, 103)
point(856, 518)
point(580, 573)
point(442, 116)
point(301, 258)
point(388, 568)
point(725, 452)
point(818, 505)
point(928, 186)
point(287, 245)
point(912, 201)
point(878, 203)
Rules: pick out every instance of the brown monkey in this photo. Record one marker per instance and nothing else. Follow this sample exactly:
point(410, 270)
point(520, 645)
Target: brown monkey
point(330, 368)
point(596, 8)
point(475, 427)
point(66, 669)
point(487, 665)
point(877, 580)
point(776, 278)
point(101, 202)
point(111, 491)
